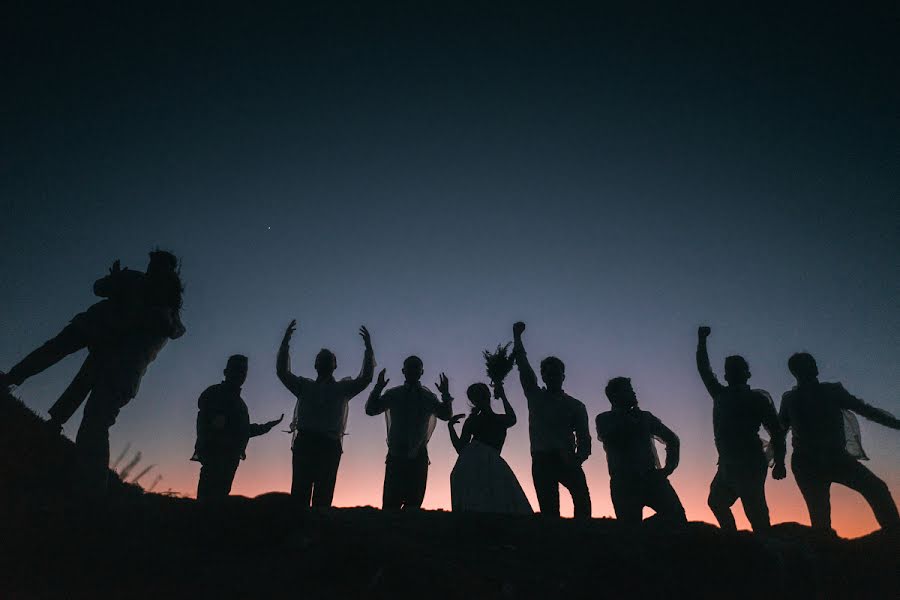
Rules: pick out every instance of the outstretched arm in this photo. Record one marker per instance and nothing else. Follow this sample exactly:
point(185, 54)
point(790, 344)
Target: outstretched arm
point(673, 445)
point(510, 416)
point(444, 409)
point(459, 442)
point(377, 404)
point(703, 367)
point(283, 362)
point(257, 429)
point(362, 381)
point(526, 374)
point(864, 409)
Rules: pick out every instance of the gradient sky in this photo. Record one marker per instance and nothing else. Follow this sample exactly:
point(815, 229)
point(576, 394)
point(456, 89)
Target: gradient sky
point(613, 178)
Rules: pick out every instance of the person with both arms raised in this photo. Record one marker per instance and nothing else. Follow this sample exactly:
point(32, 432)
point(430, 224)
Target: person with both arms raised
point(738, 413)
point(410, 411)
point(320, 418)
point(223, 431)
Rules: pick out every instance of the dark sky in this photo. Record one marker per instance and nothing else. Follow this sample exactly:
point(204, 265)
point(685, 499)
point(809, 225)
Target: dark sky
point(614, 177)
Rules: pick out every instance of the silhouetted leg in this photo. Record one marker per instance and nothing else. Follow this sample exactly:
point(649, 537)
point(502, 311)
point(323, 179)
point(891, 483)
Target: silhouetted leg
point(627, 501)
point(75, 394)
point(663, 499)
point(751, 485)
point(574, 481)
point(853, 474)
point(417, 481)
point(722, 497)
point(329, 460)
point(545, 473)
point(92, 439)
point(394, 483)
point(303, 472)
point(70, 340)
point(816, 490)
point(216, 478)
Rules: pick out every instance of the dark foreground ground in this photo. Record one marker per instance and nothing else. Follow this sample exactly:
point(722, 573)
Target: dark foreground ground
point(151, 546)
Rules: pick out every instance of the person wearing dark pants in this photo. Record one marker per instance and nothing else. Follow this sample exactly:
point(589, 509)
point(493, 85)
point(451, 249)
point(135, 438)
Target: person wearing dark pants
point(320, 418)
point(549, 470)
point(738, 413)
point(315, 462)
point(223, 431)
point(405, 481)
point(827, 447)
point(410, 411)
point(635, 478)
point(558, 432)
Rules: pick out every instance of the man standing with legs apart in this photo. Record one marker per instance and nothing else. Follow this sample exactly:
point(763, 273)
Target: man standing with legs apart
point(738, 412)
point(819, 414)
point(223, 430)
point(410, 411)
point(635, 479)
point(320, 418)
point(558, 430)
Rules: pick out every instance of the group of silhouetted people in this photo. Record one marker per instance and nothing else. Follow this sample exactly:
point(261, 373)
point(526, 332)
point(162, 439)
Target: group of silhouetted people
point(140, 312)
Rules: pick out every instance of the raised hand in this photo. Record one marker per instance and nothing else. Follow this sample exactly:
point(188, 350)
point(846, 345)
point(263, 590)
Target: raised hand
point(381, 379)
point(518, 329)
point(291, 328)
point(703, 332)
point(779, 471)
point(367, 339)
point(272, 424)
point(443, 385)
point(455, 419)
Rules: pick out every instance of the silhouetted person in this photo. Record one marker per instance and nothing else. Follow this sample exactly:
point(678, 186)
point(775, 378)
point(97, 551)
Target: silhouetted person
point(223, 430)
point(320, 418)
point(635, 479)
point(558, 430)
point(481, 481)
point(133, 299)
point(814, 411)
point(738, 413)
point(410, 410)
point(124, 334)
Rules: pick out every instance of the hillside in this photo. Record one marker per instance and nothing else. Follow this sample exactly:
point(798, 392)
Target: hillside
point(152, 546)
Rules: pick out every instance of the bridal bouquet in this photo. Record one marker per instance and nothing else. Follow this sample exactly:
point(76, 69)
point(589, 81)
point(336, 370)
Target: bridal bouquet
point(498, 364)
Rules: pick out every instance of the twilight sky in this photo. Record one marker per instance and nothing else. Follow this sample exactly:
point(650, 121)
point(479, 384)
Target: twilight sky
point(612, 178)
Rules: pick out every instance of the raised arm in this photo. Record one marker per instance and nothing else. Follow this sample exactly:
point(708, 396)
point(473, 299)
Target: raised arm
point(703, 367)
point(864, 409)
point(776, 434)
point(377, 404)
point(443, 410)
point(673, 445)
point(510, 417)
point(362, 381)
point(526, 374)
point(582, 434)
point(283, 362)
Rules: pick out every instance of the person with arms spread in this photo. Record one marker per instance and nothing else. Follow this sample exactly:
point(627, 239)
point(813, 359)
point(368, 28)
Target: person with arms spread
point(410, 411)
point(819, 416)
point(320, 418)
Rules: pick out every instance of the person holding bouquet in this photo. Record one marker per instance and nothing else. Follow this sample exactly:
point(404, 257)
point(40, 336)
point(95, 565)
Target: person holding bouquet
point(481, 481)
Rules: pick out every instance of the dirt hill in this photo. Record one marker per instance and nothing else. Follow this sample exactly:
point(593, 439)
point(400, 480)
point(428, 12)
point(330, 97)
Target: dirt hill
point(151, 546)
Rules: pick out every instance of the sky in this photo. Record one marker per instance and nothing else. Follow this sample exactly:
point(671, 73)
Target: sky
point(614, 177)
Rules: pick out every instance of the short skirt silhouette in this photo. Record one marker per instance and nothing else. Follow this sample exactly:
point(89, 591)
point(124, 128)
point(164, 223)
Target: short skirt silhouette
point(481, 481)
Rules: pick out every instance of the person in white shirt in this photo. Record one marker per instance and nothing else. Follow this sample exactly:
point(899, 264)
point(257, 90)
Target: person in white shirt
point(410, 411)
point(320, 418)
